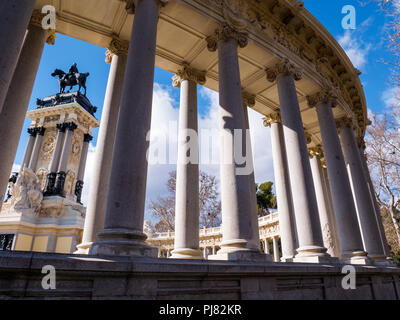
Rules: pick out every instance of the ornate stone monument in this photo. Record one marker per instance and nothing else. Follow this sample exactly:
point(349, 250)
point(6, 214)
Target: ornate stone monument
point(43, 210)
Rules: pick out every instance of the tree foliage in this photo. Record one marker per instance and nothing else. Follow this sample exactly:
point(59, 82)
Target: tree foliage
point(266, 199)
point(163, 209)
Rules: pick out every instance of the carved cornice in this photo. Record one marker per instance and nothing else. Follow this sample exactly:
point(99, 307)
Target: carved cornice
point(226, 33)
point(188, 73)
point(322, 97)
point(272, 118)
point(316, 152)
point(283, 68)
point(116, 47)
point(249, 100)
point(130, 5)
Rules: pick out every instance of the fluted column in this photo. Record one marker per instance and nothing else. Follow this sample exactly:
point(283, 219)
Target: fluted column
point(123, 226)
point(364, 206)
point(371, 189)
point(16, 103)
point(29, 147)
point(62, 167)
point(36, 149)
point(287, 224)
point(82, 166)
point(249, 102)
point(345, 211)
point(14, 20)
point(311, 247)
point(266, 246)
point(237, 230)
point(276, 249)
point(187, 173)
point(326, 220)
point(97, 201)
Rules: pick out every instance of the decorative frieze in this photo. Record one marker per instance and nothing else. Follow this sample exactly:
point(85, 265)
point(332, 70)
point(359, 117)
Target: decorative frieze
point(188, 73)
point(116, 47)
point(283, 68)
point(226, 33)
point(322, 97)
point(272, 118)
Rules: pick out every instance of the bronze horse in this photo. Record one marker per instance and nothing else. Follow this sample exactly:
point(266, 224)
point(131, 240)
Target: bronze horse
point(65, 80)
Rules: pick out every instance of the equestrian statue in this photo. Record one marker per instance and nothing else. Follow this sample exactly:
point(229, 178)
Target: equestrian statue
point(71, 79)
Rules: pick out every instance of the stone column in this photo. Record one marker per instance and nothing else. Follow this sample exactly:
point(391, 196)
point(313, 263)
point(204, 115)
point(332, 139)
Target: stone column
point(327, 224)
point(82, 166)
point(36, 149)
point(311, 247)
point(287, 224)
point(14, 20)
point(364, 206)
point(123, 226)
point(16, 103)
point(276, 249)
point(97, 201)
point(237, 228)
point(345, 211)
point(62, 167)
point(249, 102)
point(266, 246)
point(187, 174)
point(374, 202)
point(51, 177)
point(29, 147)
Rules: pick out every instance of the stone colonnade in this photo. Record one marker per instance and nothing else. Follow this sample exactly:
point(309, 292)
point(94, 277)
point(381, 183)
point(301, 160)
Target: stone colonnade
point(324, 214)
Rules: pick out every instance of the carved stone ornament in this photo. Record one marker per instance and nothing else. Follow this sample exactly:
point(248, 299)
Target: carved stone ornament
point(316, 152)
point(249, 100)
point(272, 118)
point(308, 136)
point(238, 13)
point(26, 192)
point(188, 73)
point(130, 6)
point(48, 145)
point(226, 33)
point(116, 47)
point(283, 68)
point(345, 122)
point(322, 97)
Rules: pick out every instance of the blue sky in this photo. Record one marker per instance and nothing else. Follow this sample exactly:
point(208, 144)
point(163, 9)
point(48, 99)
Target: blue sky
point(365, 45)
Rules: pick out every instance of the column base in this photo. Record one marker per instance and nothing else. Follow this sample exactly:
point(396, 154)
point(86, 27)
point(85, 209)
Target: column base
point(240, 254)
point(384, 262)
point(186, 253)
point(287, 259)
point(312, 254)
point(122, 242)
point(83, 248)
point(356, 257)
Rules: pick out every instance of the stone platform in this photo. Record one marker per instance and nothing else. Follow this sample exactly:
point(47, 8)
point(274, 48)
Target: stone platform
point(86, 277)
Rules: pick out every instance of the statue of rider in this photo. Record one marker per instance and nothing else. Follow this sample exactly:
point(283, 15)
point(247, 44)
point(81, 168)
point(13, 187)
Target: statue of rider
point(72, 71)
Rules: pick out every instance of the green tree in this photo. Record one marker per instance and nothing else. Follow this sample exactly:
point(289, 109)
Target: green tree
point(266, 199)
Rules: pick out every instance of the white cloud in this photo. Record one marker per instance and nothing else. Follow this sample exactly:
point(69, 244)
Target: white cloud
point(355, 48)
point(391, 96)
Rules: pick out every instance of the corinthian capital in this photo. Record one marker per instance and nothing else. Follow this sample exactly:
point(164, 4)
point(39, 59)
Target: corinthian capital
point(36, 20)
point(187, 73)
point(249, 100)
point(316, 152)
point(130, 5)
point(345, 122)
point(322, 97)
point(272, 118)
point(283, 68)
point(116, 47)
point(226, 33)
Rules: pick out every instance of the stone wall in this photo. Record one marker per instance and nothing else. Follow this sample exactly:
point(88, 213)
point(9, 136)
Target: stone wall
point(86, 277)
